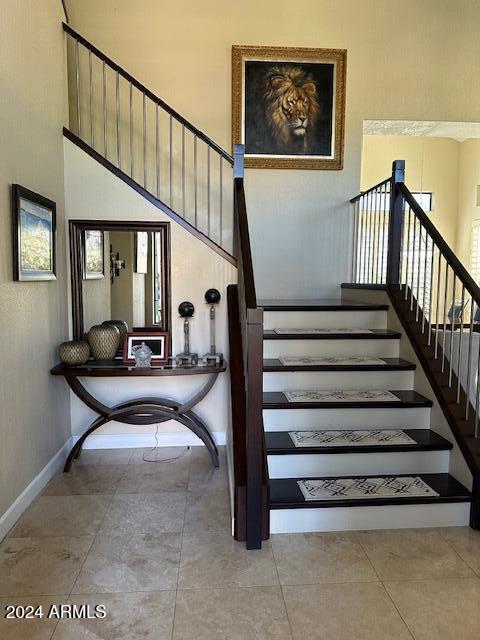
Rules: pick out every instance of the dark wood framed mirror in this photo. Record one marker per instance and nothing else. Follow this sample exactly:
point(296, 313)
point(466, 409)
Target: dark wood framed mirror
point(120, 271)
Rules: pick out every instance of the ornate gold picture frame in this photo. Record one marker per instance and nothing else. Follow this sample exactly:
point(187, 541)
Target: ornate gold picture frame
point(288, 106)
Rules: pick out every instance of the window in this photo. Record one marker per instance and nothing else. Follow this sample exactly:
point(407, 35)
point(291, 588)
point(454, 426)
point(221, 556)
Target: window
point(475, 252)
point(424, 199)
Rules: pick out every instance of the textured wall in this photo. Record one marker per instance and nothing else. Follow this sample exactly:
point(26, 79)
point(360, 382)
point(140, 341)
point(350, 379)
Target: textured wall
point(35, 412)
point(416, 61)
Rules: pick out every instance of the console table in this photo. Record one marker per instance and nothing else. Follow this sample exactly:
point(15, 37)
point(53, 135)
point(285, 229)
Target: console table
point(138, 411)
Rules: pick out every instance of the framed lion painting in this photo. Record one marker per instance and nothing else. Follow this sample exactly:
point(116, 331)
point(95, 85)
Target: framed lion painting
point(289, 106)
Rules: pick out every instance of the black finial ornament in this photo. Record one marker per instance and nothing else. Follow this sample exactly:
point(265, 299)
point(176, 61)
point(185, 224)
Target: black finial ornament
point(212, 297)
point(186, 309)
point(186, 359)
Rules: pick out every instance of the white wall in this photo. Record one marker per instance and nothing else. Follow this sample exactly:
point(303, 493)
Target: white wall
point(93, 192)
point(413, 61)
point(35, 417)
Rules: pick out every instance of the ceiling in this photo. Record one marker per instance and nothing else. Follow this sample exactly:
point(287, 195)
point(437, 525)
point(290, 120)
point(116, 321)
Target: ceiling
point(459, 131)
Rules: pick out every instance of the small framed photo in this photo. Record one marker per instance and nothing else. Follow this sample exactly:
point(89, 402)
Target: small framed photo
point(34, 235)
point(156, 340)
point(141, 252)
point(93, 254)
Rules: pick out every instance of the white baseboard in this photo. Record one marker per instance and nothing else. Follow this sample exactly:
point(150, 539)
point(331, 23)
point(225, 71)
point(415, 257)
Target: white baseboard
point(134, 440)
point(13, 513)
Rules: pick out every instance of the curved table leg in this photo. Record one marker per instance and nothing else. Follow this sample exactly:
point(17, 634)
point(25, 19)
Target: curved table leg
point(145, 411)
point(75, 452)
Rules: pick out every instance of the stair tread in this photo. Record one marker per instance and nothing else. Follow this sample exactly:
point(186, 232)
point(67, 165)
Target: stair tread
point(320, 305)
point(280, 443)
point(286, 494)
point(406, 399)
point(376, 334)
point(390, 364)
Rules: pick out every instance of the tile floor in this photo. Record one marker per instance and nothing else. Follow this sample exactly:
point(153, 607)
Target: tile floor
point(151, 542)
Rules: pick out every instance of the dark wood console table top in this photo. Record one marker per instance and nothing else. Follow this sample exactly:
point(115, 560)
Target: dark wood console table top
point(140, 411)
point(112, 369)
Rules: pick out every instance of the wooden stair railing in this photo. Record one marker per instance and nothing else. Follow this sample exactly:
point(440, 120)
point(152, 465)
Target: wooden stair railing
point(398, 248)
point(251, 504)
point(146, 143)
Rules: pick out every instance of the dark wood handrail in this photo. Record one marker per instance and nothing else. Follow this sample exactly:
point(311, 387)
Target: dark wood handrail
point(374, 188)
point(244, 244)
point(183, 121)
point(436, 236)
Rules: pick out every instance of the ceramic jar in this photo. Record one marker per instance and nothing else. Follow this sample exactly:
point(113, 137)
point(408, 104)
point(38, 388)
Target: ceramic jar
point(104, 341)
point(121, 325)
point(74, 352)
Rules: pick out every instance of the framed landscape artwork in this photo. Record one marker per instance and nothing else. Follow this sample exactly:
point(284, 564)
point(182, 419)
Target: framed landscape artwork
point(289, 106)
point(93, 255)
point(34, 234)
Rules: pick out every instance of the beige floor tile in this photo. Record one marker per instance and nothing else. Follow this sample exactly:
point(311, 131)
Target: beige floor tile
point(86, 480)
point(182, 455)
point(409, 554)
point(41, 566)
point(132, 562)
point(439, 609)
point(203, 475)
point(62, 516)
point(153, 477)
point(32, 628)
point(145, 513)
point(313, 558)
point(104, 457)
point(237, 614)
point(129, 616)
point(352, 611)
point(207, 511)
point(217, 560)
point(466, 542)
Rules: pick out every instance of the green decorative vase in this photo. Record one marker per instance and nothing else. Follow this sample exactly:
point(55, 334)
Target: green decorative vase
point(104, 341)
point(121, 325)
point(74, 352)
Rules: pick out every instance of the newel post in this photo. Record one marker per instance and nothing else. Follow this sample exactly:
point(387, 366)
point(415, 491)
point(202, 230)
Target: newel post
point(397, 208)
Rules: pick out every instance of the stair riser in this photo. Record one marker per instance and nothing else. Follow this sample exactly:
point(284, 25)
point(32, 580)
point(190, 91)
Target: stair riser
point(298, 419)
point(361, 518)
point(334, 380)
point(325, 319)
point(311, 465)
point(379, 348)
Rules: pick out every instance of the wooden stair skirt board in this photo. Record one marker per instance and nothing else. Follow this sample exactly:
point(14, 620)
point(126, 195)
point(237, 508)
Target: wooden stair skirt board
point(291, 512)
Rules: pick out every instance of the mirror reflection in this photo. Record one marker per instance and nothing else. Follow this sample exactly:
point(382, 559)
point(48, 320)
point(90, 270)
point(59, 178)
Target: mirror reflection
point(123, 277)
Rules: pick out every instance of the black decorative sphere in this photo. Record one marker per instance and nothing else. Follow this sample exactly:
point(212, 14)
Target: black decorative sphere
point(186, 309)
point(212, 296)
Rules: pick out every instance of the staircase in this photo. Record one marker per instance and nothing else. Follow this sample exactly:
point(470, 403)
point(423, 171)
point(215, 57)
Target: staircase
point(382, 424)
point(362, 452)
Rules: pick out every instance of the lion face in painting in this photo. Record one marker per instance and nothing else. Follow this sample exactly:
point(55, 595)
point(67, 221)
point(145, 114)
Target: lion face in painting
point(291, 104)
